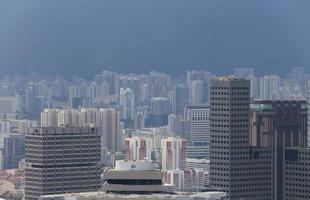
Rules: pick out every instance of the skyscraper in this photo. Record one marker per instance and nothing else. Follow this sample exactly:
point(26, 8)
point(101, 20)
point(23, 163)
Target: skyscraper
point(127, 101)
point(278, 125)
point(197, 130)
point(242, 172)
point(61, 160)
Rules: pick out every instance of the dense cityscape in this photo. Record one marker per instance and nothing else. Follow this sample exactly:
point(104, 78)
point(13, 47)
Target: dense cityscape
point(116, 136)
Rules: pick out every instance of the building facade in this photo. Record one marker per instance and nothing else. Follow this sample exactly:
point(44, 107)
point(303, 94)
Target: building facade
point(235, 167)
point(173, 153)
point(277, 125)
point(61, 160)
point(139, 148)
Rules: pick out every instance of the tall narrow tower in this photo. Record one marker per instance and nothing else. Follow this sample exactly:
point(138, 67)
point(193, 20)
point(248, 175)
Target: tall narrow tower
point(236, 168)
point(230, 104)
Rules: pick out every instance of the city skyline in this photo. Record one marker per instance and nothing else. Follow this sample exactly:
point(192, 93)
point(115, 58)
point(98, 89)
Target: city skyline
point(155, 100)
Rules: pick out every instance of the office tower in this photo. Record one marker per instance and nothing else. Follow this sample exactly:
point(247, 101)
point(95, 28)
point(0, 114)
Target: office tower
point(243, 72)
point(12, 147)
point(196, 92)
point(139, 148)
point(197, 131)
point(178, 99)
point(61, 160)
point(49, 118)
point(127, 101)
point(159, 111)
point(278, 125)
point(173, 153)
point(198, 118)
point(269, 86)
point(308, 99)
point(241, 171)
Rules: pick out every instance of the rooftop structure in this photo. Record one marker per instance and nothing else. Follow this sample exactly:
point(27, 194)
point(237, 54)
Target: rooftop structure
point(134, 177)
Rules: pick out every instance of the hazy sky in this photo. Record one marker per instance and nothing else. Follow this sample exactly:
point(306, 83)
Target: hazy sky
point(85, 37)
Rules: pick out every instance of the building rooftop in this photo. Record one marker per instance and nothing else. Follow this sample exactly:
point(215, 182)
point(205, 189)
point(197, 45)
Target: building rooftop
point(133, 165)
point(214, 195)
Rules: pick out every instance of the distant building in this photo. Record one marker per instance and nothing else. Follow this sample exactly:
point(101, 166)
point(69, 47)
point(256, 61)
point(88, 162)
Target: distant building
point(173, 153)
point(139, 148)
point(12, 148)
point(127, 101)
point(107, 120)
point(10, 105)
point(197, 130)
point(159, 112)
point(61, 160)
point(199, 75)
point(196, 89)
point(176, 125)
point(49, 118)
point(179, 99)
point(269, 86)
